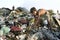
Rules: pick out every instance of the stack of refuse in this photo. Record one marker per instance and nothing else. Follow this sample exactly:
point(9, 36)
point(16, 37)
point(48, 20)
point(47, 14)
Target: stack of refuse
point(20, 24)
point(45, 34)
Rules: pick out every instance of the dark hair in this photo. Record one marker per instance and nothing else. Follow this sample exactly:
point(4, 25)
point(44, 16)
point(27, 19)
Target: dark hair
point(32, 9)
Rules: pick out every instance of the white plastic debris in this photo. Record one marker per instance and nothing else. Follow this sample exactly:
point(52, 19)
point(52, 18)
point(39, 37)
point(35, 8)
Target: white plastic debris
point(1, 38)
point(22, 37)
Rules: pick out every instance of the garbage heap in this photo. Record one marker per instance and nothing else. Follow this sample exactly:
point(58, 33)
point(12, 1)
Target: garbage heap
point(20, 24)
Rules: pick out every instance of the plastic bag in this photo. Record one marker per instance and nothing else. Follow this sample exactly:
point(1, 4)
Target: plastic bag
point(5, 30)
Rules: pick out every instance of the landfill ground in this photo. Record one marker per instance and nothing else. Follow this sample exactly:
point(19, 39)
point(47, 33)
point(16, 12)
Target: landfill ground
point(21, 24)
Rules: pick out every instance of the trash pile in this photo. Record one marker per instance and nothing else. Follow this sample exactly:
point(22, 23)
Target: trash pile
point(21, 24)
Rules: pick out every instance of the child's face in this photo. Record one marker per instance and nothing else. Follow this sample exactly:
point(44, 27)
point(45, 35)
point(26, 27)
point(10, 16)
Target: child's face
point(34, 12)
